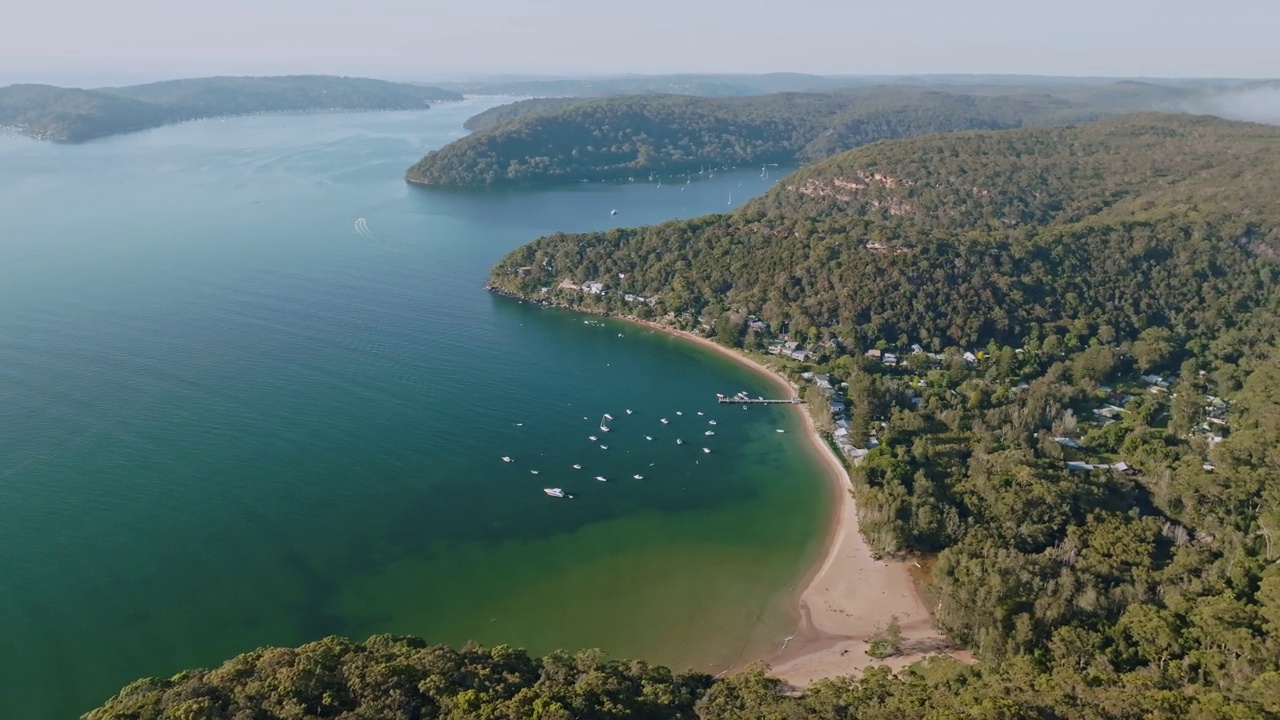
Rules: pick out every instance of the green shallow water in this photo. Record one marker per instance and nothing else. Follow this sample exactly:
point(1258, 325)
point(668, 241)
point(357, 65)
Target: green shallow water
point(228, 419)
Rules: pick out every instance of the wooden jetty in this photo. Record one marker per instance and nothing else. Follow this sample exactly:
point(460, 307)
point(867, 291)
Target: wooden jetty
point(757, 401)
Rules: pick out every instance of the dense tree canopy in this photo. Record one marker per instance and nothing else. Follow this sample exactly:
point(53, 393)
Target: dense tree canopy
point(72, 115)
point(1097, 479)
point(619, 137)
point(966, 238)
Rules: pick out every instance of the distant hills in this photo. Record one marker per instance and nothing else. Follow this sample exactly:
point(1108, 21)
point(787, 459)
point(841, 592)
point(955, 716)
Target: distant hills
point(550, 141)
point(60, 114)
point(966, 238)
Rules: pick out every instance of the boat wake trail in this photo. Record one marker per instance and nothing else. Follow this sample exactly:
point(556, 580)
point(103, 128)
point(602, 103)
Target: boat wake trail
point(362, 227)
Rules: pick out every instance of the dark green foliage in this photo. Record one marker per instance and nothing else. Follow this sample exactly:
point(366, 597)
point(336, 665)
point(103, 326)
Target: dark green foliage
point(399, 677)
point(963, 239)
point(1141, 582)
point(73, 115)
point(620, 137)
point(511, 111)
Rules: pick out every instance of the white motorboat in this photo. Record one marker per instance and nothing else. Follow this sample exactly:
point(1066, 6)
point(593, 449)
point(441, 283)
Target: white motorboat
point(648, 437)
point(535, 472)
point(506, 459)
point(663, 421)
point(577, 467)
point(638, 477)
point(601, 478)
point(604, 447)
point(709, 432)
point(592, 438)
point(781, 430)
point(555, 492)
point(711, 422)
point(628, 411)
point(679, 441)
point(706, 450)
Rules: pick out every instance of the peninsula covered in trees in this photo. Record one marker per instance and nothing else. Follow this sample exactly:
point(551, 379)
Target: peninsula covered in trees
point(620, 137)
point(1052, 357)
point(74, 115)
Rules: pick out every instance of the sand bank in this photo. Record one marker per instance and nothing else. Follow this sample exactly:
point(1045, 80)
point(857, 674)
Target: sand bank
point(850, 594)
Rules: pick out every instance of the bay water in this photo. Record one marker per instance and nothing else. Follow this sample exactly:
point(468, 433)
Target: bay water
point(252, 392)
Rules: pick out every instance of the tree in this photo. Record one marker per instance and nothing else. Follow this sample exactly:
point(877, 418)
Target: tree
point(887, 641)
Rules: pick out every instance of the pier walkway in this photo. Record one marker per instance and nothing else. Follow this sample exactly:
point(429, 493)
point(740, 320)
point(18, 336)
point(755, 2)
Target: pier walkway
point(757, 401)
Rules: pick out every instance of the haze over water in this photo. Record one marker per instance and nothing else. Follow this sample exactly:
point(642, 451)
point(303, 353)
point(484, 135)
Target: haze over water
point(229, 419)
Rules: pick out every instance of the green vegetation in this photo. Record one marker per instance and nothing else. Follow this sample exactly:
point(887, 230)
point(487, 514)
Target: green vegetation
point(618, 137)
point(398, 678)
point(511, 111)
point(1097, 477)
point(73, 115)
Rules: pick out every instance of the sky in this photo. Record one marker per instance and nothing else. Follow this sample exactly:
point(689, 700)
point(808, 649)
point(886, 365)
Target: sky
point(135, 40)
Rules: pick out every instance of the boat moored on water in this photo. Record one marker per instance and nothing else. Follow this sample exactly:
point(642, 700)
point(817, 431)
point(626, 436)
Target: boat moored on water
point(709, 432)
point(601, 478)
point(663, 421)
point(706, 450)
point(556, 493)
point(638, 477)
point(577, 467)
point(506, 459)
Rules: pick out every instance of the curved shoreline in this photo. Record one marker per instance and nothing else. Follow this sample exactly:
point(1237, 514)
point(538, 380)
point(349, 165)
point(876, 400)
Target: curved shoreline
point(847, 596)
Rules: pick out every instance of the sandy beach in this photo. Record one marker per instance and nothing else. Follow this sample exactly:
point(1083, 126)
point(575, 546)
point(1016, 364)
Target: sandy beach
point(850, 595)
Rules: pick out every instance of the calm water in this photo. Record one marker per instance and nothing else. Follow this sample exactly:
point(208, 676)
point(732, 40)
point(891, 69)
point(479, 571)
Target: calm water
point(228, 419)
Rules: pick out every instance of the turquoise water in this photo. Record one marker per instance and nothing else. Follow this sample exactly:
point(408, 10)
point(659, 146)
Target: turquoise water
point(228, 419)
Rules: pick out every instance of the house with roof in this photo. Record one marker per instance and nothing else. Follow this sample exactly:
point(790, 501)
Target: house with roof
point(595, 288)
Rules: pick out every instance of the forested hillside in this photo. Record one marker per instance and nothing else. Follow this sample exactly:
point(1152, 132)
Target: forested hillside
point(518, 109)
point(398, 678)
point(619, 137)
point(73, 115)
point(967, 238)
point(1057, 354)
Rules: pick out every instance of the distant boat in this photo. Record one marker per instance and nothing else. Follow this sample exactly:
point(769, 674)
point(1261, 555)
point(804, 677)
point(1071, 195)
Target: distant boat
point(601, 478)
point(577, 467)
point(699, 412)
point(604, 447)
point(555, 492)
point(592, 438)
point(706, 450)
point(603, 427)
point(535, 472)
point(519, 424)
point(663, 421)
point(730, 199)
point(607, 416)
point(679, 413)
point(613, 212)
point(679, 441)
point(506, 459)
point(709, 432)
point(638, 477)
point(711, 422)
point(648, 437)
point(628, 411)
point(781, 430)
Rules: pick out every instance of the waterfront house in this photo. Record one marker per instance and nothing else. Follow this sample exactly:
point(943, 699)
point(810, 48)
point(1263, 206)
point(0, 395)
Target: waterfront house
point(595, 288)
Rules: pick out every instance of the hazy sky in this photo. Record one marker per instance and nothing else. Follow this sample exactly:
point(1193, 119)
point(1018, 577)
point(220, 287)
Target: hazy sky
point(53, 40)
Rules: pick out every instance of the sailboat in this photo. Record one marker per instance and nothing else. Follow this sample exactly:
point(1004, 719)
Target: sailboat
point(603, 427)
point(730, 199)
